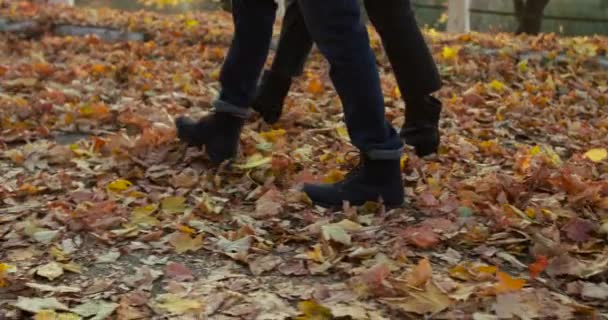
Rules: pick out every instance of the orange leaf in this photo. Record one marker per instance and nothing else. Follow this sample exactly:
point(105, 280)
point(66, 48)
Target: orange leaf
point(315, 86)
point(507, 284)
point(3, 70)
point(421, 274)
point(99, 69)
point(43, 68)
point(538, 266)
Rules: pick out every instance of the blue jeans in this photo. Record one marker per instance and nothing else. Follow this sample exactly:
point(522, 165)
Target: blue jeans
point(336, 27)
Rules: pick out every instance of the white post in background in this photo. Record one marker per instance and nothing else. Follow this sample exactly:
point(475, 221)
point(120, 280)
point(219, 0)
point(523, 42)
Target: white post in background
point(459, 16)
point(66, 2)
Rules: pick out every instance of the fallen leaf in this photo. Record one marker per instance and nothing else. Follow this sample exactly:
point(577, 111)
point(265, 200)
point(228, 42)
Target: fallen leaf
point(119, 185)
point(45, 236)
point(34, 305)
point(578, 229)
point(423, 237)
point(313, 311)
point(109, 257)
point(513, 305)
point(334, 176)
point(254, 162)
point(449, 52)
point(497, 85)
point(98, 310)
point(264, 264)
point(188, 178)
point(178, 272)
point(597, 291)
point(429, 301)
point(172, 205)
point(597, 155)
point(508, 284)
point(269, 205)
point(49, 288)
point(51, 271)
point(538, 266)
point(420, 275)
point(177, 305)
point(334, 232)
point(52, 315)
point(183, 242)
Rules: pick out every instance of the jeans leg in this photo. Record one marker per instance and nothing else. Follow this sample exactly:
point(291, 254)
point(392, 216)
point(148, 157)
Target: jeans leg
point(338, 31)
point(295, 44)
point(408, 53)
point(253, 21)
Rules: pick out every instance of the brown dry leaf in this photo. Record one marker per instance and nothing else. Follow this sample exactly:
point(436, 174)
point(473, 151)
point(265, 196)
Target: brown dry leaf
point(510, 305)
point(188, 178)
point(269, 205)
point(264, 264)
point(183, 242)
point(178, 272)
point(579, 229)
point(420, 275)
point(429, 301)
point(423, 237)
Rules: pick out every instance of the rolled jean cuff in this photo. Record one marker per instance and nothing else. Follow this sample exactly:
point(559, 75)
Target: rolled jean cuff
point(223, 106)
point(380, 154)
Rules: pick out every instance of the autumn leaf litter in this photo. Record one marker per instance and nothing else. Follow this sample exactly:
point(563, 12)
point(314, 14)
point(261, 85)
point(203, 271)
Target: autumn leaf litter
point(104, 213)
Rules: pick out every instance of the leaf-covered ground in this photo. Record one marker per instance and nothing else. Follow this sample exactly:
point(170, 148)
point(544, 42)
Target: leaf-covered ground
point(103, 213)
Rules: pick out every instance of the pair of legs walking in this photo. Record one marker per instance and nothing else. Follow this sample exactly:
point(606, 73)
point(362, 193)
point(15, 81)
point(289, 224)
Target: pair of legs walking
point(337, 29)
point(415, 70)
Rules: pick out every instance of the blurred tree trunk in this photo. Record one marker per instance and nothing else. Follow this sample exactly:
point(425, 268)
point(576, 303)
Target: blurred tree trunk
point(459, 20)
point(529, 13)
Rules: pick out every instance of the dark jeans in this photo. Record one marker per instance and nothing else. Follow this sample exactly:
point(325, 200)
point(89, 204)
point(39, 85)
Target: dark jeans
point(414, 67)
point(337, 29)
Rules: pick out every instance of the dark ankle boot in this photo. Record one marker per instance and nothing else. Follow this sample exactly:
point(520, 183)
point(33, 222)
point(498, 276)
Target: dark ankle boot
point(270, 97)
point(371, 180)
point(421, 127)
point(218, 132)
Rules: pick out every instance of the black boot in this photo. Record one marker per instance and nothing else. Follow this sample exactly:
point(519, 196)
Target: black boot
point(218, 132)
point(371, 180)
point(421, 127)
point(270, 97)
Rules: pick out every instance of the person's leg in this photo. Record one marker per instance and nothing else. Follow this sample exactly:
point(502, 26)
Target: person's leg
point(220, 131)
point(414, 68)
point(293, 49)
point(337, 29)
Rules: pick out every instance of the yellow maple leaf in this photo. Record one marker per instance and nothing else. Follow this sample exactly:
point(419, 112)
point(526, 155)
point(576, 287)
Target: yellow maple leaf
point(497, 85)
point(449, 53)
point(273, 135)
point(191, 23)
point(313, 311)
point(522, 66)
point(316, 254)
point(597, 154)
point(119, 185)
